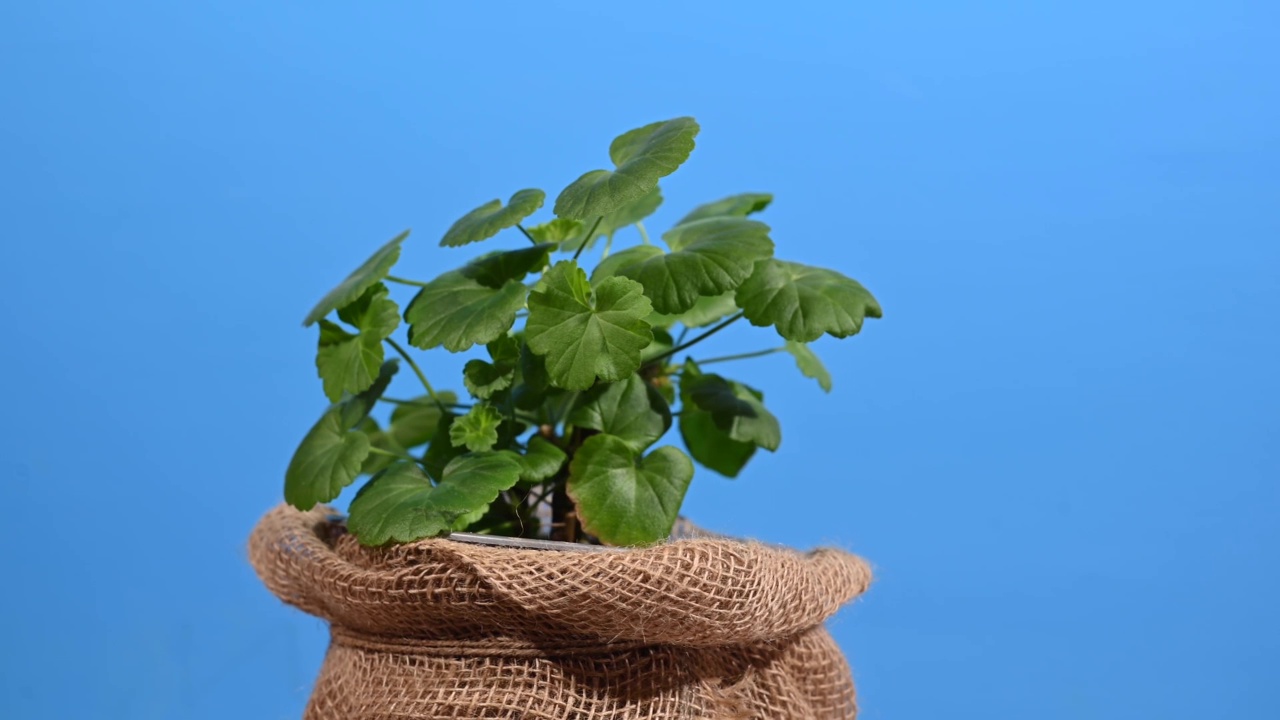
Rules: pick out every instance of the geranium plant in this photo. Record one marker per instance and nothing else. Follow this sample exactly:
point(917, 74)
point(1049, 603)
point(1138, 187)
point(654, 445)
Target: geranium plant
point(580, 370)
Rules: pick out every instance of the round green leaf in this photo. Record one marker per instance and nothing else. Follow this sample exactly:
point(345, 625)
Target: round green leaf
point(372, 271)
point(401, 504)
point(625, 502)
point(483, 379)
point(810, 364)
point(733, 206)
point(711, 446)
point(346, 362)
point(583, 333)
point(557, 231)
point(738, 410)
point(328, 459)
point(489, 219)
point(414, 423)
point(375, 462)
point(477, 430)
point(632, 256)
point(629, 410)
point(803, 302)
point(495, 269)
point(332, 453)
point(710, 257)
point(457, 312)
point(707, 310)
point(541, 460)
point(441, 450)
point(706, 441)
point(641, 158)
point(629, 214)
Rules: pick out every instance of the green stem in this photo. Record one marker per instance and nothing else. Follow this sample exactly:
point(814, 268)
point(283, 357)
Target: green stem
point(396, 455)
point(587, 238)
point(417, 371)
point(563, 411)
point(406, 281)
point(742, 356)
point(526, 233)
point(695, 341)
point(398, 401)
point(643, 235)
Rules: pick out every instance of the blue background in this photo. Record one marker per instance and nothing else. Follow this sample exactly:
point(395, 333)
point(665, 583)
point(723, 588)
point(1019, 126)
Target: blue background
point(1059, 447)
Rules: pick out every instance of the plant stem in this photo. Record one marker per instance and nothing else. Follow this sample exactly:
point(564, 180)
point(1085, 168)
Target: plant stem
point(695, 341)
point(406, 281)
point(419, 403)
point(396, 455)
point(684, 330)
point(644, 235)
point(418, 371)
point(526, 233)
point(742, 356)
point(587, 238)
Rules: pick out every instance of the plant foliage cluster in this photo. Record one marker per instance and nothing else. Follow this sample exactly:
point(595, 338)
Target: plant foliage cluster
point(578, 376)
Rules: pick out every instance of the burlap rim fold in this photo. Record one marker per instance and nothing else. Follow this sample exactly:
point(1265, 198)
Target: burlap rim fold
point(690, 593)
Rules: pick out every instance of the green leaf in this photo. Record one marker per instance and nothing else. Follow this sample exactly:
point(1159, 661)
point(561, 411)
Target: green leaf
point(738, 410)
point(372, 271)
point(328, 459)
point(587, 333)
point(495, 269)
point(346, 362)
point(401, 504)
point(489, 219)
point(706, 442)
point(541, 460)
point(484, 379)
point(477, 430)
point(629, 410)
point(641, 158)
point(707, 310)
point(710, 257)
point(331, 454)
point(630, 257)
point(662, 342)
point(733, 206)
point(803, 302)
point(414, 424)
point(810, 364)
point(457, 312)
point(559, 230)
point(374, 312)
point(629, 214)
point(625, 502)
point(374, 462)
point(532, 381)
point(505, 350)
point(441, 450)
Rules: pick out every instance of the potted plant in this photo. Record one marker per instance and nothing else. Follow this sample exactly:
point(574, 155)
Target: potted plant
point(598, 611)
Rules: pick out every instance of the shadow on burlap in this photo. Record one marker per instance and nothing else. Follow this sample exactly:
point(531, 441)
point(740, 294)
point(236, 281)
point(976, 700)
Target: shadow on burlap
point(702, 628)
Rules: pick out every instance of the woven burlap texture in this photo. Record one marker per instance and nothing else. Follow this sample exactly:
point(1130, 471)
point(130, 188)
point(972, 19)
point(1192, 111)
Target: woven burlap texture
point(442, 629)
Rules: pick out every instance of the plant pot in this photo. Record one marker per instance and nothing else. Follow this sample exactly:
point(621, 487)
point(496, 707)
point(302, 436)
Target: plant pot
point(700, 628)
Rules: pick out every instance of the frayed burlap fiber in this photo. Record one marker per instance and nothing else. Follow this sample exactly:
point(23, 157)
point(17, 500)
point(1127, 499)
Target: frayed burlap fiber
point(701, 628)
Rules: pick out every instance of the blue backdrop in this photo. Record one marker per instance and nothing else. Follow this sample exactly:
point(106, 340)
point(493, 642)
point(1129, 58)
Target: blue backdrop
point(1059, 447)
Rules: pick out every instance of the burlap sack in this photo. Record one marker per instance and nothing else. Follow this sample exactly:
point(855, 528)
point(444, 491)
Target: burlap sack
point(444, 629)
